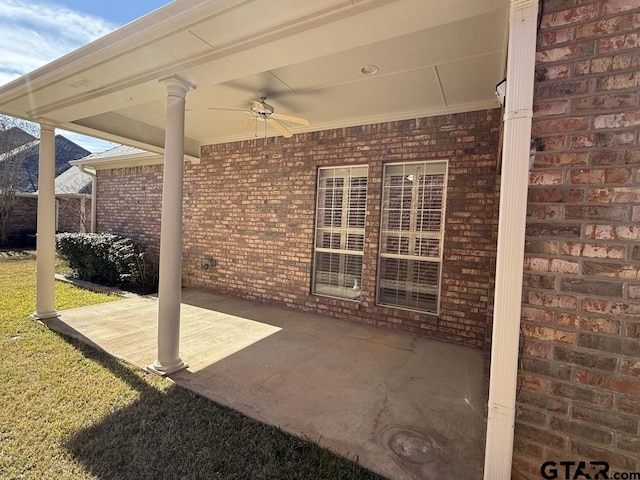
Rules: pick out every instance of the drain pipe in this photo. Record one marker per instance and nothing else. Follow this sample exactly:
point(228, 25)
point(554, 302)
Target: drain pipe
point(94, 186)
point(511, 237)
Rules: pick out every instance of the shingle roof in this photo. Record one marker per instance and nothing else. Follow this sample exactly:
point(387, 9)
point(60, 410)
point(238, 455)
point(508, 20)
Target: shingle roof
point(73, 180)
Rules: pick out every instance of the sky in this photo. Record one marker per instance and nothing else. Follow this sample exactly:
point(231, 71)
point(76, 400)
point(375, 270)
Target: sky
point(35, 32)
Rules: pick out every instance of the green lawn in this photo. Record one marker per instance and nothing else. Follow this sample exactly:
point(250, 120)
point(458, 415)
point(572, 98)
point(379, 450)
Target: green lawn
point(70, 412)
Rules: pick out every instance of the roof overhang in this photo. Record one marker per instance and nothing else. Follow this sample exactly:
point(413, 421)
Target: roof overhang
point(433, 58)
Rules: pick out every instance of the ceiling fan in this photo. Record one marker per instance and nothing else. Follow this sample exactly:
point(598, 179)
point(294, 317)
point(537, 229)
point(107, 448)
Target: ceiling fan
point(262, 111)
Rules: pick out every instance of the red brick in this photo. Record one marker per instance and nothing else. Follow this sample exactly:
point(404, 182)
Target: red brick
point(608, 26)
point(619, 81)
point(556, 37)
point(538, 350)
point(619, 42)
point(591, 250)
point(545, 194)
point(611, 270)
point(581, 430)
point(546, 177)
point(553, 72)
point(541, 246)
point(567, 302)
point(614, 195)
point(594, 66)
point(548, 334)
point(627, 232)
point(610, 7)
point(585, 359)
point(621, 309)
point(583, 394)
point(545, 402)
point(605, 418)
point(600, 232)
point(617, 120)
point(591, 212)
point(593, 378)
point(569, 16)
point(598, 103)
point(540, 435)
point(533, 383)
point(551, 108)
point(602, 343)
point(561, 90)
point(616, 157)
point(617, 460)
point(543, 212)
point(560, 160)
point(630, 443)
point(588, 286)
point(591, 324)
point(629, 367)
point(628, 405)
point(536, 315)
point(624, 386)
point(567, 124)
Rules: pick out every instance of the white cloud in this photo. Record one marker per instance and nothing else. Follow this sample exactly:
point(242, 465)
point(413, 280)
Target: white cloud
point(34, 33)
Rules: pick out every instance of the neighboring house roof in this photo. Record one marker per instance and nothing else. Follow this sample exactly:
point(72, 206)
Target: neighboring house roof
point(66, 150)
point(119, 157)
point(14, 137)
point(433, 57)
point(73, 181)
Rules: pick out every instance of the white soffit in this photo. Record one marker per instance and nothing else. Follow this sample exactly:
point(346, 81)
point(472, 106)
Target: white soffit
point(433, 57)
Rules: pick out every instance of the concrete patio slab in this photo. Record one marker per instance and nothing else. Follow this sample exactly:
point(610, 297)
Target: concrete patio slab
point(406, 406)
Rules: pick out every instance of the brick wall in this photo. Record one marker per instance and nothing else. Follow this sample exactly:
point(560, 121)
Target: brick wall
point(72, 216)
point(251, 206)
point(129, 203)
point(579, 393)
point(24, 215)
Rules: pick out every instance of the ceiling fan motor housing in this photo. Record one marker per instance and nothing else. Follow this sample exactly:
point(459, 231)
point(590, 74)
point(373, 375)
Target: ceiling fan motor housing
point(262, 108)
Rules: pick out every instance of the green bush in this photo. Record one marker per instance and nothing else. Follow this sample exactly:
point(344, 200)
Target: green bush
point(109, 260)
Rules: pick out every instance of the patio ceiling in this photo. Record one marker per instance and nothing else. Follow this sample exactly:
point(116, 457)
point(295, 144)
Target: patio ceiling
point(433, 57)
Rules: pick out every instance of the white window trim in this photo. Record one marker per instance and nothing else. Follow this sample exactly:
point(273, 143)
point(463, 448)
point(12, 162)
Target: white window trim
point(342, 230)
point(440, 237)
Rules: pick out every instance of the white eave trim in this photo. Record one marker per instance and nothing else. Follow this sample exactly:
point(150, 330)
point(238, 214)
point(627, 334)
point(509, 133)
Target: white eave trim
point(120, 161)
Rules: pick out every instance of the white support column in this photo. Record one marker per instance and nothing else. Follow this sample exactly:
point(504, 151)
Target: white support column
point(511, 237)
point(170, 283)
point(46, 234)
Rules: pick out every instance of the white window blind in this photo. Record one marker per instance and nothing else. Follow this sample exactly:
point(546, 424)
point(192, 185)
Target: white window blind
point(413, 205)
point(339, 241)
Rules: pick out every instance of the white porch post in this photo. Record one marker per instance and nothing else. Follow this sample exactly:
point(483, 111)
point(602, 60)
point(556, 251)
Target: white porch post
point(170, 283)
point(511, 237)
point(45, 240)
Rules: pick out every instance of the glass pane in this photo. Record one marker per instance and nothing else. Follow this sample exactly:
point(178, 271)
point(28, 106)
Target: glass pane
point(409, 283)
point(338, 275)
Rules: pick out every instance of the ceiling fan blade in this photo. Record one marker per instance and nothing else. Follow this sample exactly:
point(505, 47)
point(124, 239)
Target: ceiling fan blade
point(246, 123)
point(227, 109)
point(286, 133)
point(290, 118)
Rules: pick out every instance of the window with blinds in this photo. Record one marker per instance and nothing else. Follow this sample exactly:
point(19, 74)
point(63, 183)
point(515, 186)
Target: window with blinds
point(339, 240)
point(411, 231)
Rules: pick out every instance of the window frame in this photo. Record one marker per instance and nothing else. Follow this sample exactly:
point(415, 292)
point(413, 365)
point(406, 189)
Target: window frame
point(413, 234)
point(344, 230)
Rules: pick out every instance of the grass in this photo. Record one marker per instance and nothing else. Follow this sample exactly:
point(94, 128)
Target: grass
point(68, 411)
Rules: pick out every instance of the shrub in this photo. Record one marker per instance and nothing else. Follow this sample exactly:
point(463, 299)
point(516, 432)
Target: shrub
point(109, 260)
